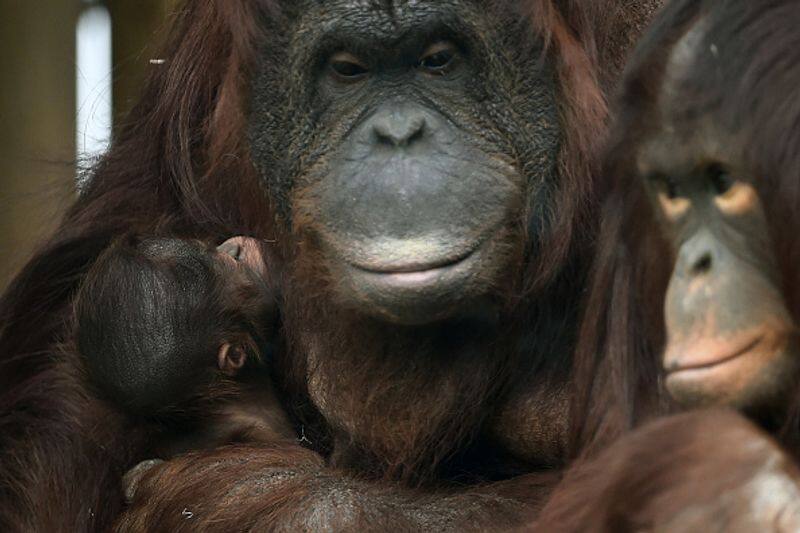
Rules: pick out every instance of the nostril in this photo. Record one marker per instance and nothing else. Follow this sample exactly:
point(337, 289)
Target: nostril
point(399, 131)
point(418, 132)
point(383, 136)
point(702, 265)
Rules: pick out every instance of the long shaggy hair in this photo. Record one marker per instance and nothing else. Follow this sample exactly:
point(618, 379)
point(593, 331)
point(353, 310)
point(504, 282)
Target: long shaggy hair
point(179, 165)
point(745, 78)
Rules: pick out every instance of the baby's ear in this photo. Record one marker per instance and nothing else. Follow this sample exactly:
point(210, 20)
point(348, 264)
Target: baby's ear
point(247, 251)
point(231, 358)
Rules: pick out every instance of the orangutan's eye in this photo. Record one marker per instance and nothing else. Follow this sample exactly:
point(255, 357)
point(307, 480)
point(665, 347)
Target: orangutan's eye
point(665, 185)
point(721, 180)
point(347, 68)
point(439, 58)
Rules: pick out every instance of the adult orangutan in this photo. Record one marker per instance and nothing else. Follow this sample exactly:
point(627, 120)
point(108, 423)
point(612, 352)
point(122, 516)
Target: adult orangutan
point(426, 172)
point(699, 260)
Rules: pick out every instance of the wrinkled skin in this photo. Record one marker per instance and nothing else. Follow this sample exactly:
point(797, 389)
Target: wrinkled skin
point(403, 173)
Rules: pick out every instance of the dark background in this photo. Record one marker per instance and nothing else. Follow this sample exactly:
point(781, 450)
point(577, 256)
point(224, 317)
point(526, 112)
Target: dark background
point(38, 106)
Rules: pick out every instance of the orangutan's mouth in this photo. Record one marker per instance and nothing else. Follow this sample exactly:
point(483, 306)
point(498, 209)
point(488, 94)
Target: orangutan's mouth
point(419, 275)
point(409, 256)
point(413, 291)
point(709, 359)
point(417, 267)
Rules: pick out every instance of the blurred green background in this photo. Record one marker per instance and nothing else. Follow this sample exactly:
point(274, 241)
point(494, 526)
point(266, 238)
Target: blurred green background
point(38, 106)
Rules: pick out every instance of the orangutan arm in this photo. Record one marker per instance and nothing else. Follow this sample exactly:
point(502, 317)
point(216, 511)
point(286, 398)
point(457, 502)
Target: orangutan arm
point(702, 471)
point(290, 488)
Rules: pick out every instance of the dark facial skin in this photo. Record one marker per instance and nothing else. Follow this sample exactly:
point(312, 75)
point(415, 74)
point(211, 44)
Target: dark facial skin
point(730, 337)
point(410, 192)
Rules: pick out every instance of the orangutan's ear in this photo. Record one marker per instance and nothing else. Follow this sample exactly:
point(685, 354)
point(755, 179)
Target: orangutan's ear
point(231, 358)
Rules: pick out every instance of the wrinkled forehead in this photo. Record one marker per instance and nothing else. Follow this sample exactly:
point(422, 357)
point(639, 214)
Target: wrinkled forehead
point(393, 9)
point(385, 20)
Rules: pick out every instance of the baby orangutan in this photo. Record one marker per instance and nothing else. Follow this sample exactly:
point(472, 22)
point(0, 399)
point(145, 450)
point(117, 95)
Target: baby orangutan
point(175, 331)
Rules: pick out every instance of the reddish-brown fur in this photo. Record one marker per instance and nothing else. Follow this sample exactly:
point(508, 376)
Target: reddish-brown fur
point(634, 262)
point(180, 166)
point(702, 471)
point(237, 500)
